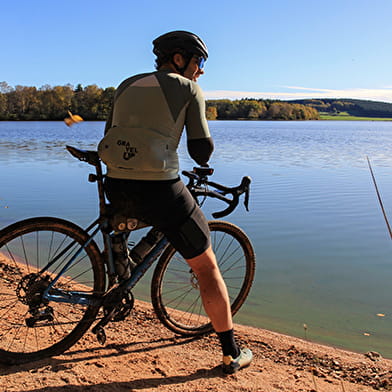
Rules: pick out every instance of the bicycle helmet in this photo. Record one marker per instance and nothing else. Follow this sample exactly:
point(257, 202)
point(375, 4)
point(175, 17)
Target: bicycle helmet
point(167, 44)
point(184, 42)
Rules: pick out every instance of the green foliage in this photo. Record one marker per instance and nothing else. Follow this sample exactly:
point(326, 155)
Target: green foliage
point(252, 109)
point(94, 103)
point(354, 107)
point(53, 103)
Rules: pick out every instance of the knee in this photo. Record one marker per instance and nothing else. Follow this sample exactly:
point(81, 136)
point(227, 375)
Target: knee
point(203, 264)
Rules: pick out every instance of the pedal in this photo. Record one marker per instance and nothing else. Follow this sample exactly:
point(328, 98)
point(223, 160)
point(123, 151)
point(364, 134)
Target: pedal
point(117, 307)
point(98, 329)
point(101, 335)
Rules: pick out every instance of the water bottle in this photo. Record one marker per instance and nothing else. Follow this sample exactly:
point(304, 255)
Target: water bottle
point(145, 245)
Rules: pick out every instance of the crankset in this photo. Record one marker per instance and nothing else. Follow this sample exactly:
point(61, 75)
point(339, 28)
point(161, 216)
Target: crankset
point(122, 309)
point(117, 305)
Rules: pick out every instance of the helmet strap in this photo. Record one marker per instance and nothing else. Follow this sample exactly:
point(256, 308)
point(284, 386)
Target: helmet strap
point(181, 70)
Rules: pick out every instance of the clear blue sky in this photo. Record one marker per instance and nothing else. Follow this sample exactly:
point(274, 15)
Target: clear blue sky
point(265, 49)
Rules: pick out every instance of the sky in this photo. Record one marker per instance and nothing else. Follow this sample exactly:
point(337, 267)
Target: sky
point(275, 49)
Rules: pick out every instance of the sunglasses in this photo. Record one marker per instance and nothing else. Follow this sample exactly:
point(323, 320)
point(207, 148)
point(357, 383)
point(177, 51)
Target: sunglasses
point(200, 61)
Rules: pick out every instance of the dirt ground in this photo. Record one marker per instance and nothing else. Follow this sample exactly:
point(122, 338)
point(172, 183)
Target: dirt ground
point(142, 355)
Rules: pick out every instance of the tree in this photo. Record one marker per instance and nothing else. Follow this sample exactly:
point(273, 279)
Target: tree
point(211, 113)
point(5, 88)
point(3, 107)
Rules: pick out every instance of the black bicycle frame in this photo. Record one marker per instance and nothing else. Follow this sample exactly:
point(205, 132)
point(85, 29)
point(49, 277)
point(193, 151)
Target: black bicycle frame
point(81, 298)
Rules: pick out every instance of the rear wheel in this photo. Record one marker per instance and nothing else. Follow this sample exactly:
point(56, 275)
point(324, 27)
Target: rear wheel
point(175, 292)
point(31, 327)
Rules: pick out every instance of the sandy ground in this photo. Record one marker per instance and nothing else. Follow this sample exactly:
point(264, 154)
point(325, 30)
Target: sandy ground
point(142, 355)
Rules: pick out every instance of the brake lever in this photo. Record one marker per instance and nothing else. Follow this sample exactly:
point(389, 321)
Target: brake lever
point(245, 188)
point(247, 192)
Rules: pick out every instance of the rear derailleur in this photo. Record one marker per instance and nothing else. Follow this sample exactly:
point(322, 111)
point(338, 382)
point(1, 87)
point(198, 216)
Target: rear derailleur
point(30, 292)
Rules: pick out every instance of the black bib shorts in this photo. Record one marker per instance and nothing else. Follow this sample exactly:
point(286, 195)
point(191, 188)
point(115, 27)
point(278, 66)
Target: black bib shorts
point(167, 205)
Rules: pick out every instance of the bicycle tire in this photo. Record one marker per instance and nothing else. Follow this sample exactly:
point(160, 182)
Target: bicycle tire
point(174, 290)
point(25, 248)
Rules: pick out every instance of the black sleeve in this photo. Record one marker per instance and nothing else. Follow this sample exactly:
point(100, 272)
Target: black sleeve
point(200, 150)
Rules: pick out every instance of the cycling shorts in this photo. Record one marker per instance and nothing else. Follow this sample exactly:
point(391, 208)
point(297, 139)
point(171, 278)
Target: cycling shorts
point(167, 205)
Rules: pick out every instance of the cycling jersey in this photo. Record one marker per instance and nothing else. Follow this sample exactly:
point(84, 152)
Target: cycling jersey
point(146, 123)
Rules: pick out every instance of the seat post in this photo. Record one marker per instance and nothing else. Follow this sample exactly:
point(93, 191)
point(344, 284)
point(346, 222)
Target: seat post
point(101, 191)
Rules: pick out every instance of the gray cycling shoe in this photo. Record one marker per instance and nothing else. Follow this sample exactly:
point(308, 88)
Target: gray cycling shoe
point(231, 365)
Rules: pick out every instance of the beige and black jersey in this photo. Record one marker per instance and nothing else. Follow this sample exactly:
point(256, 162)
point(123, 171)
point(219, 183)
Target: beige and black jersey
point(147, 120)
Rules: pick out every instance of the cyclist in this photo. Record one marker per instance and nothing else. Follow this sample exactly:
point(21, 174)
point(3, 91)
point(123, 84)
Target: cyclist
point(140, 150)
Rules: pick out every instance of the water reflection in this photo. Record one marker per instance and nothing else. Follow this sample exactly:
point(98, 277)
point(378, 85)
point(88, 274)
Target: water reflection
point(33, 141)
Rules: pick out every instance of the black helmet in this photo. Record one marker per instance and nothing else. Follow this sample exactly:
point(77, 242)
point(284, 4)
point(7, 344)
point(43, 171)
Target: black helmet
point(167, 44)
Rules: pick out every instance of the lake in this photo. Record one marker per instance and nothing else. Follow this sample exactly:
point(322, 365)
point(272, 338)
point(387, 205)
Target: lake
point(322, 246)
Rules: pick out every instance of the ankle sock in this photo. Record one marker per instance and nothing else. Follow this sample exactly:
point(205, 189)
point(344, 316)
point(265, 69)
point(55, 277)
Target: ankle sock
point(227, 341)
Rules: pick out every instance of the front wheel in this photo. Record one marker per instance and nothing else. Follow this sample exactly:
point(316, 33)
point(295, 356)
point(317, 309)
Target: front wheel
point(175, 291)
point(32, 253)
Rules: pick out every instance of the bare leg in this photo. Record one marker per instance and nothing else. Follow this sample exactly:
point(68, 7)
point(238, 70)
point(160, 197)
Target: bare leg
point(213, 290)
point(216, 303)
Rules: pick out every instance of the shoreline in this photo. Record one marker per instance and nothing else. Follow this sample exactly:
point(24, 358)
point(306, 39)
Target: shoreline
point(322, 118)
point(142, 355)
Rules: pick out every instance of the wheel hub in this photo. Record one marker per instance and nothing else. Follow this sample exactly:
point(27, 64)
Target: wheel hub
point(194, 281)
point(31, 288)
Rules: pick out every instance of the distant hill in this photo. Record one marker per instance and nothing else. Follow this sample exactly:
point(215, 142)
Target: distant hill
point(354, 107)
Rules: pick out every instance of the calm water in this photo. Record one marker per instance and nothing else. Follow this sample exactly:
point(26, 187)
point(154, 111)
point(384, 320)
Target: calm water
point(323, 250)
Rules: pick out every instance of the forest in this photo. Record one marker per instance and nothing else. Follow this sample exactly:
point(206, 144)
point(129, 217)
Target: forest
point(93, 103)
point(52, 103)
point(354, 107)
point(260, 109)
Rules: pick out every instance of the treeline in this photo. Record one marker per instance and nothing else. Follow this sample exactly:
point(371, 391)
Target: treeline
point(52, 103)
point(354, 107)
point(94, 103)
point(260, 109)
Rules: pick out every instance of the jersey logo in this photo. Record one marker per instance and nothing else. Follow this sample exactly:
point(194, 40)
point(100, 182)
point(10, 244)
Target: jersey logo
point(129, 152)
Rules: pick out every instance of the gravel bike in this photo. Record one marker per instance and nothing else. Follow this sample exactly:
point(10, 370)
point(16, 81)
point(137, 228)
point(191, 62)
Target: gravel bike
point(55, 281)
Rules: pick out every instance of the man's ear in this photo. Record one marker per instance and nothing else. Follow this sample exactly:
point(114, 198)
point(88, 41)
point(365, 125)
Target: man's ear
point(178, 60)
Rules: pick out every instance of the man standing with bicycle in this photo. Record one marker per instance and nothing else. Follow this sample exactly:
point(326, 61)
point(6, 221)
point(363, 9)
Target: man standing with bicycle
point(140, 150)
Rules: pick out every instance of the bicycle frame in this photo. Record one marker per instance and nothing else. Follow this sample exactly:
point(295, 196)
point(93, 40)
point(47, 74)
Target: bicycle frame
point(81, 298)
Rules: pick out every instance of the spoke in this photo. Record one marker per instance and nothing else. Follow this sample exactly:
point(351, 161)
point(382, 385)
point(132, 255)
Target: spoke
point(181, 296)
point(231, 267)
point(10, 308)
point(60, 325)
point(25, 340)
point(217, 245)
point(229, 256)
point(11, 255)
point(16, 332)
point(172, 269)
point(190, 311)
point(50, 246)
point(223, 257)
point(75, 278)
point(184, 286)
point(25, 255)
point(37, 249)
